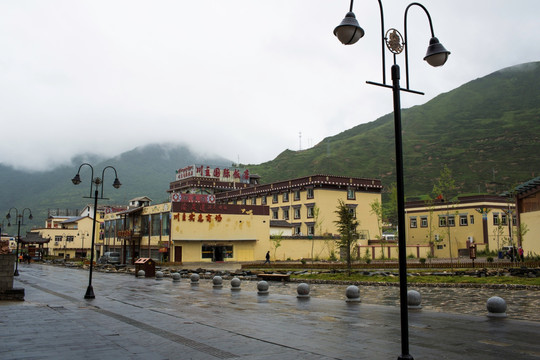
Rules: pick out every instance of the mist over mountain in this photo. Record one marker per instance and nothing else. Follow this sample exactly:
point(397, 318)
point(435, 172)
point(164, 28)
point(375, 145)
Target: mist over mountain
point(486, 131)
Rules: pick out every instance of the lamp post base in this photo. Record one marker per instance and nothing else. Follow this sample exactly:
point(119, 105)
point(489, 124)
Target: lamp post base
point(16, 273)
point(89, 293)
point(405, 357)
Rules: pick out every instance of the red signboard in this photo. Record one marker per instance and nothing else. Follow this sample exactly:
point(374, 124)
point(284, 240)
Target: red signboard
point(194, 198)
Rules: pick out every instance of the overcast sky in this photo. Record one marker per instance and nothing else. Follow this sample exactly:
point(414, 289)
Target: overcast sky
point(238, 78)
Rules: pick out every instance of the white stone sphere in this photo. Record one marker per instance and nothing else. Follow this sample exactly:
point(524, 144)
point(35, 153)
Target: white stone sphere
point(414, 299)
point(194, 278)
point(303, 290)
point(352, 293)
point(496, 307)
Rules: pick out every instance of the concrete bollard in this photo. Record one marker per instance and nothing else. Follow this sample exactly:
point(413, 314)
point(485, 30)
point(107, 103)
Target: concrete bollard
point(217, 282)
point(414, 299)
point(141, 274)
point(176, 277)
point(262, 288)
point(496, 307)
point(194, 279)
point(159, 275)
point(353, 294)
point(235, 284)
point(303, 291)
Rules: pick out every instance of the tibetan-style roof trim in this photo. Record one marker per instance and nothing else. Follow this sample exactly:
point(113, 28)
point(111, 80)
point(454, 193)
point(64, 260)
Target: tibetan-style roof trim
point(526, 188)
point(280, 223)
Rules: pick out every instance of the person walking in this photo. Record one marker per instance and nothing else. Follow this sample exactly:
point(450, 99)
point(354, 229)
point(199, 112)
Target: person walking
point(267, 258)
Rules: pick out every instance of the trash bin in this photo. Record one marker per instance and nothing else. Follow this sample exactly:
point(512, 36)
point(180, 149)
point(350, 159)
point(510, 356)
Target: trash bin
point(146, 264)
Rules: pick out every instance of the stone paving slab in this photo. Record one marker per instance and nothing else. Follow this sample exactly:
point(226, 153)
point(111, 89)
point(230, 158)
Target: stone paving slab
point(143, 318)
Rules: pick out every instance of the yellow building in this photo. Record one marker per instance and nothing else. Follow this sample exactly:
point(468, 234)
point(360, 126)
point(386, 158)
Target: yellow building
point(450, 228)
point(528, 209)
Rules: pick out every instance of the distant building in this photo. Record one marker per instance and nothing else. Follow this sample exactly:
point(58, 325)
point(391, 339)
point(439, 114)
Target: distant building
point(528, 212)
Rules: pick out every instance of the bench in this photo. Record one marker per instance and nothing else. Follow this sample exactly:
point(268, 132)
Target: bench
point(275, 277)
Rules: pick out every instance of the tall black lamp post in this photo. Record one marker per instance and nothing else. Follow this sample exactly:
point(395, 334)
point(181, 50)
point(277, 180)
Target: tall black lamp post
point(94, 181)
point(20, 221)
point(349, 32)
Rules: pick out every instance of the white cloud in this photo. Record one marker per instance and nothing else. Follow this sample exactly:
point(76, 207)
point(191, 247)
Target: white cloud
point(237, 78)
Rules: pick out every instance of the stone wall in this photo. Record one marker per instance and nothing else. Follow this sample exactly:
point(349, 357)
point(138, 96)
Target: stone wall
point(7, 268)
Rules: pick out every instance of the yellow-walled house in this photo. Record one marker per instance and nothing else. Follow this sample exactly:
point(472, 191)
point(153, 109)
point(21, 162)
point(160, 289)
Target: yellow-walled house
point(528, 209)
point(451, 227)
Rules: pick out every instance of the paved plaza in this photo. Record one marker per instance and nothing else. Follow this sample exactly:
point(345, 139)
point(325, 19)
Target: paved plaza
point(134, 318)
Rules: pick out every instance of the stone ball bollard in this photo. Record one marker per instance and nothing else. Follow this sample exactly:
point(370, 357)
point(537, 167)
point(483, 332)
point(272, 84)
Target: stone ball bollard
point(262, 288)
point(235, 284)
point(496, 307)
point(194, 279)
point(217, 282)
point(176, 277)
point(353, 294)
point(159, 275)
point(141, 274)
point(414, 299)
point(303, 291)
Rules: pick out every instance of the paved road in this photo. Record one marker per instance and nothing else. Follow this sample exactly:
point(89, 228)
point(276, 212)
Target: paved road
point(148, 319)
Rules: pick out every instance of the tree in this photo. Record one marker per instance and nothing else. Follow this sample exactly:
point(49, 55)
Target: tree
point(444, 189)
point(347, 226)
point(377, 210)
point(276, 241)
point(389, 208)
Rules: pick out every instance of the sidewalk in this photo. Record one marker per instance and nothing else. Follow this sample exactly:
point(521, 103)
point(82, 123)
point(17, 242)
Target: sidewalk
point(147, 319)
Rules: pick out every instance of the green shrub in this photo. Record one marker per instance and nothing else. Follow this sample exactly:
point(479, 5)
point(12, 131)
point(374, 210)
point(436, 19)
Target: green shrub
point(303, 261)
point(422, 260)
point(489, 259)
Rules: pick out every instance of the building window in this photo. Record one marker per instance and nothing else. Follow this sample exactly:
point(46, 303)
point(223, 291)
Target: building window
point(463, 220)
point(310, 193)
point(310, 212)
point(495, 218)
point(274, 198)
point(263, 200)
point(285, 214)
point(351, 194)
point(296, 195)
point(254, 201)
point(285, 196)
point(165, 224)
point(156, 224)
point(297, 231)
point(423, 222)
point(471, 219)
point(57, 238)
point(352, 211)
point(144, 226)
point(442, 221)
point(297, 213)
point(311, 230)
point(451, 220)
point(514, 221)
point(244, 201)
point(503, 219)
point(275, 214)
point(413, 222)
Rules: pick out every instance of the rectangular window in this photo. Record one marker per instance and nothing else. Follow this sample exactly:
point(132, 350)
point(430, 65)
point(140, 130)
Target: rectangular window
point(311, 230)
point(451, 220)
point(244, 201)
point(352, 211)
point(156, 224)
point(254, 201)
point(285, 197)
point(297, 231)
point(263, 200)
point(413, 222)
point(423, 222)
point(310, 193)
point(58, 238)
point(275, 214)
point(274, 198)
point(297, 213)
point(471, 219)
point(69, 238)
point(496, 219)
point(503, 219)
point(310, 212)
point(463, 220)
point(285, 214)
point(144, 225)
point(165, 225)
point(442, 221)
point(297, 195)
point(351, 195)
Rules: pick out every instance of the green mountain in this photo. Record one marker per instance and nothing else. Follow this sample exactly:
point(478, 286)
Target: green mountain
point(144, 171)
point(487, 132)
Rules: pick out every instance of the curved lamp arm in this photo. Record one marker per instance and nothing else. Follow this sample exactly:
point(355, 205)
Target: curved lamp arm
point(436, 54)
point(116, 184)
point(77, 178)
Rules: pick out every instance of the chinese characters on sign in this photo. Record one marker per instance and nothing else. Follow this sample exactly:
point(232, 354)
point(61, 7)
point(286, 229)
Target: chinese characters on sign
point(192, 217)
point(222, 174)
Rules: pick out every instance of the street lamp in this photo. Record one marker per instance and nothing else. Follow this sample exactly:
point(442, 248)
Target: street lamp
point(349, 32)
point(94, 181)
point(20, 221)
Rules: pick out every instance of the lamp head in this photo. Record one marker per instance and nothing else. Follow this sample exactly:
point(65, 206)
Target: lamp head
point(436, 54)
point(349, 31)
point(30, 216)
point(116, 183)
point(76, 180)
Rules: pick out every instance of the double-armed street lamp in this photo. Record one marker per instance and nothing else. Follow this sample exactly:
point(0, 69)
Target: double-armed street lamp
point(94, 181)
point(20, 221)
point(349, 32)
point(82, 235)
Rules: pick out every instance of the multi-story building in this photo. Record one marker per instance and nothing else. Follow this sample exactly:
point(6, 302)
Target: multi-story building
point(449, 228)
point(528, 212)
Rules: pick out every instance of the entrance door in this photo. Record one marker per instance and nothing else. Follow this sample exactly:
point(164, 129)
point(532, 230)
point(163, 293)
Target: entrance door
point(177, 254)
point(218, 253)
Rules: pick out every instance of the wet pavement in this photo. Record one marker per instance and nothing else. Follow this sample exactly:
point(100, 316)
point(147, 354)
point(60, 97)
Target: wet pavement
point(134, 318)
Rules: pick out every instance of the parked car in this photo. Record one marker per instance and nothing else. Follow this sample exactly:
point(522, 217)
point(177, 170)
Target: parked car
point(110, 258)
